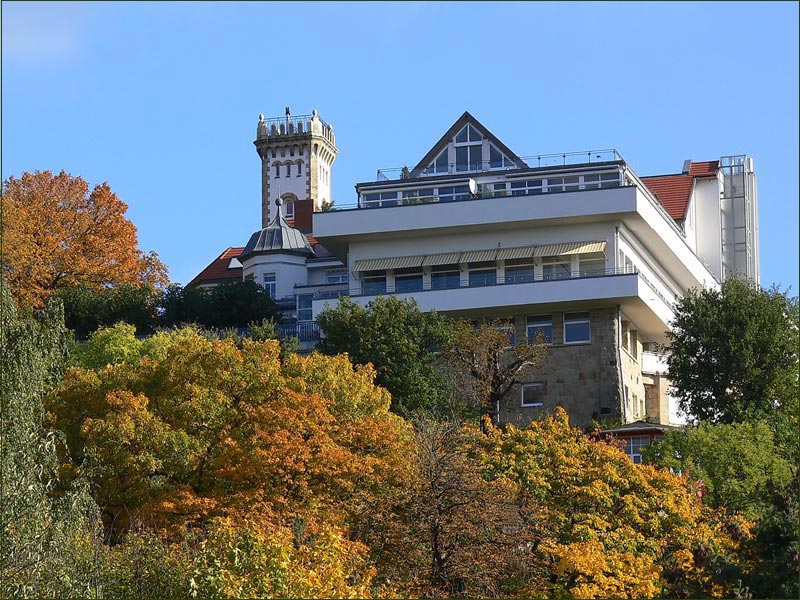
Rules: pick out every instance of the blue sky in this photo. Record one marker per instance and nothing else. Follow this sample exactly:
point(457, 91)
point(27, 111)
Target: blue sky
point(161, 99)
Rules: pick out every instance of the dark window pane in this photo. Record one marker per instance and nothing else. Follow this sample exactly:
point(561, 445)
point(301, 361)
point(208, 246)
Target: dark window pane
point(474, 136)
point(475, 158)
point(462, 136)
point(408, 283)
point(482, 278)
point(519, 274)
point(495, 158)
point(445, 281)
point(462, 158)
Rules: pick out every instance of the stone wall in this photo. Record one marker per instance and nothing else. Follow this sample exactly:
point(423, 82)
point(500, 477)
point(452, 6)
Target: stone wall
point(584, 379)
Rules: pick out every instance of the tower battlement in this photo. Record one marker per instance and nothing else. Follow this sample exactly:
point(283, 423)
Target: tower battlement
point(293, 126)
point(297, 153)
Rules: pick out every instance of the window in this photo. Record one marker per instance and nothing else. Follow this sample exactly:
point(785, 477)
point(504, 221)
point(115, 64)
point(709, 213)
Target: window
point(540, 326)
point(576, 328)
point(508, 327)
point(497, 159)
point(386, 198)
point(519, 271)
point(591, 264)
point(445, 277)
point(571, 184)
point(299, 169)
point(422, 196)
point(450, 194)
point(407, 280)
point(556, 267)
point(277, 170)
point(532, 394)
point(634, 445)
point(555, 184)
point(439, 165)
point(526, 188)
point(482, 274)
point(271, 284)
point(336, 278)
point(288, 169)
point(499, 190)
point(304, 307)
point(609, 180)
point(469, 149)
point(288, 209)
point(373, 284)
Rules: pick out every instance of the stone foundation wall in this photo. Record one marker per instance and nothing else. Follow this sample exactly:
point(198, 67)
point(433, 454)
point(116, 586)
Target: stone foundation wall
point(584, 379)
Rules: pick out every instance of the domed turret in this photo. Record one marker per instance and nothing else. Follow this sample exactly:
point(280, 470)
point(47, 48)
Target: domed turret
point(278, 237)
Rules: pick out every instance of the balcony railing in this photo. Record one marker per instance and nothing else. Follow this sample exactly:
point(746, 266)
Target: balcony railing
point(377, 289)
point(305, 332)
point(538, 160)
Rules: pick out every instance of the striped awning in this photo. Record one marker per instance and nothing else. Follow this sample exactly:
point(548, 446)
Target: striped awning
point(450, 258)
point(569, 248)
point(478, 255)
point(381, 264)
point(512, 253)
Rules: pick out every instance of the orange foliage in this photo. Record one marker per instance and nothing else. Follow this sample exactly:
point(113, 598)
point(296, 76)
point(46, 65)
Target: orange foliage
point(56, 233)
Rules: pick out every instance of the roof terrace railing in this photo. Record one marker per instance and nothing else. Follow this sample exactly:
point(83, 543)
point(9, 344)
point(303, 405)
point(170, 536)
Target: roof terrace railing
point(538, 160)
point(291, 125)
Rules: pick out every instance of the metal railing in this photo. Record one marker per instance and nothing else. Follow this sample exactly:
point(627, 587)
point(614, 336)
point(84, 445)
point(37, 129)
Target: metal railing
point(426, 286)
point(537, 160)
point(293, 124)
point(307, 331)
point(547, 184)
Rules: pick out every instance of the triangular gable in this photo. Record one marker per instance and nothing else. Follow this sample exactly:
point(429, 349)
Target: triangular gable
point(446, 139)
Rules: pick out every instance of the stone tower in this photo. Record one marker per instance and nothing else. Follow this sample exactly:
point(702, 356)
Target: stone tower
point(297, 153)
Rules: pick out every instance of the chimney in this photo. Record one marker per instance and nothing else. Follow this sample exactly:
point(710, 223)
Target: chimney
point(303, 211)
point(687, 165)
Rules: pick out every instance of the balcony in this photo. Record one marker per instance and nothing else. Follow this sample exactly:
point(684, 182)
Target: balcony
point(307, 331)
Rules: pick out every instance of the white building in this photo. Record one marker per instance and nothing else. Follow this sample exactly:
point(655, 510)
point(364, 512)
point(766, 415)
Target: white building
point(575, 245)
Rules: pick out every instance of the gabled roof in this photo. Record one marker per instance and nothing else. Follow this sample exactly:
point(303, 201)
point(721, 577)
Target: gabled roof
point(220, 269)
point(674, 191)
point(450, 133)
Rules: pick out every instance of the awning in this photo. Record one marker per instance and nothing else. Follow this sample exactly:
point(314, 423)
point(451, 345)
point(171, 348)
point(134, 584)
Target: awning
point(478, 255)
point(450, 258)
point(381, 264)
point(512, 253)
point(569, 248)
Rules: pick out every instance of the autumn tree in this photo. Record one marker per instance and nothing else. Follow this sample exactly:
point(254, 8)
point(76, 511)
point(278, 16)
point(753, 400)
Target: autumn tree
point(491, 360)
point(606, 527)
point(183, 428)
point(57, 233)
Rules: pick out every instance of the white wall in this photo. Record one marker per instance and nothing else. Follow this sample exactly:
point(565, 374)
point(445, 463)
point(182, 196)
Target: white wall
point(280, 186)
point(708, 224)
point(289, 269)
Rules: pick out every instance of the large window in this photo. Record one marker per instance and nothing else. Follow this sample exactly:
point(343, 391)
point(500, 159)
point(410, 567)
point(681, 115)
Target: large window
point(577, 329)
point(556, 267)
point(423, 196)
point(540, 326)
point(373, 284)
point(634, 445)
point(469, 149)
point(271, 284)
point(593, 263)
point(519, 270)
point(526, 188)
point(449, 194)
point(407, 280)
point(532, 394)
point(384, 199)
point(482, 274)
point(445, 277)
point(498, 160)
point(439, 165)
point(304, 307)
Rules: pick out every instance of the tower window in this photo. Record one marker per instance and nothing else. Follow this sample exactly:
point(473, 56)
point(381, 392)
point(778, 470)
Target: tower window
point(271, 284)
point(277, 170)
point(299, 169)
point(288, 169)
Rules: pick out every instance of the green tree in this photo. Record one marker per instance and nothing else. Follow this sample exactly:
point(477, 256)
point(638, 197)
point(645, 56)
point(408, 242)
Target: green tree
point(86, 309)
point(399, 340)
point(45, 542)
point(733, 352)
point(738, 463)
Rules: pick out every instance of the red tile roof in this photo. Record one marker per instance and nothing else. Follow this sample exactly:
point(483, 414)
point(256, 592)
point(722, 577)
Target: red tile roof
point(674, 191)
point(218, 270)
point(706, 168)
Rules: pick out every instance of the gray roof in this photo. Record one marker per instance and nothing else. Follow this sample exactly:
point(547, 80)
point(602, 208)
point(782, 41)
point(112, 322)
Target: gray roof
point(641, 426)
point(277, 237)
